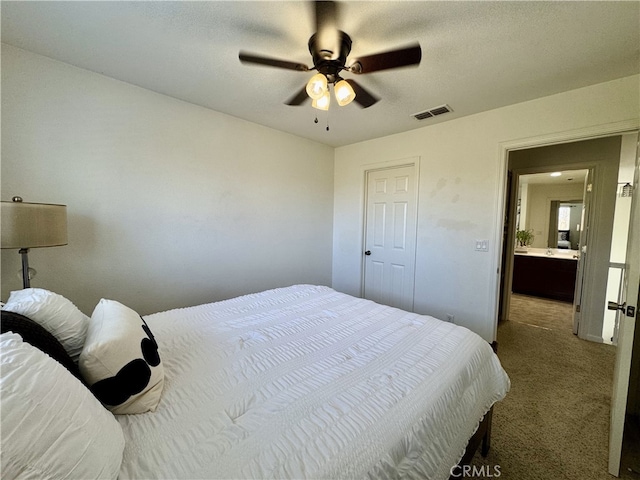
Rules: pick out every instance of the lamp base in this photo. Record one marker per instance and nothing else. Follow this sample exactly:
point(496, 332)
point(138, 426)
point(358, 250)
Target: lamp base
point(32, 273)
point(26, 271)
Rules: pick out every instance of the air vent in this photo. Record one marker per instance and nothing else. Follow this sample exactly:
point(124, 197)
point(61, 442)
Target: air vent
point(432, 112)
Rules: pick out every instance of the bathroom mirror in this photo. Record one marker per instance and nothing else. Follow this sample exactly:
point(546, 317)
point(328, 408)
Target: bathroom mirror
point(550, 206)
point(566, 215)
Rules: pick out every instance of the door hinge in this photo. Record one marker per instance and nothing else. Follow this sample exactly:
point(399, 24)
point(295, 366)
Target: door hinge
point(627, 190)
point(577, 308)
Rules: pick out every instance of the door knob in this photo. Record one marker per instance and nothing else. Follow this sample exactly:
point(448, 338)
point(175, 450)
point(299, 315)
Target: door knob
point(616, 306)
point(368, 252)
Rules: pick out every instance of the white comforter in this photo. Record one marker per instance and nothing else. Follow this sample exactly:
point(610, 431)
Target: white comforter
point(306, 382)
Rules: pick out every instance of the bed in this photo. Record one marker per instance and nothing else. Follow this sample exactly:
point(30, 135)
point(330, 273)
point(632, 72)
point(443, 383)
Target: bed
point(564, 240)
point(307, 382)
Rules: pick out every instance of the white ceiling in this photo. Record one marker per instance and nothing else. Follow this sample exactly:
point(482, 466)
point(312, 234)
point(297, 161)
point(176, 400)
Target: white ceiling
point(476, 55)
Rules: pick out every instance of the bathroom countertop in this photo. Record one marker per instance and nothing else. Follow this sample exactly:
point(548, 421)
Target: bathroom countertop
point(556, 253)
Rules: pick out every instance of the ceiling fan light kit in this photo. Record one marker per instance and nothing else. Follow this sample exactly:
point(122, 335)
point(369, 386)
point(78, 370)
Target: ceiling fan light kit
point(323, 102)
point(317, 86)
point(318, 90)
point(344, 93)
point(329, 63)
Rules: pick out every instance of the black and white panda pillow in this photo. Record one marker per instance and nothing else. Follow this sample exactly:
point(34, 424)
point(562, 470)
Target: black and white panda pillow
point(120, 360)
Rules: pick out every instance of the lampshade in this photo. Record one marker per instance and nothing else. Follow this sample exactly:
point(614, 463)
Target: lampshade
point(317, 86)
point(32, 225)
point(344, 93)
point(323, 102)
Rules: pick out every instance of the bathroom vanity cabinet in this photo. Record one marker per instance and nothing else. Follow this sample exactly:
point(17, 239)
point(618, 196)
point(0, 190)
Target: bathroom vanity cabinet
point(545, 276)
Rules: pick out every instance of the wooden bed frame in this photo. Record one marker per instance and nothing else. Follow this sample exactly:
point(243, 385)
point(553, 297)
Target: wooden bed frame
point(482, 436)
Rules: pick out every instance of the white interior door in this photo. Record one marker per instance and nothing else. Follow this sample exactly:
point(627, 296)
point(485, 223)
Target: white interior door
point(390, 236)
point(582, 250)
point(627, 319)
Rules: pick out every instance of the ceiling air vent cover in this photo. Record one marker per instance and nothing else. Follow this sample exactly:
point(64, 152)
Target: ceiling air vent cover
point(432, 112)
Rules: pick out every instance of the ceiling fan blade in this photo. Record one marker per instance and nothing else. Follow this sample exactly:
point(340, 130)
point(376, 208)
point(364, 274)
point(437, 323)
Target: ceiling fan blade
point(271, 62)
point(383, 61)
point(327, 34)
point(326, 15)
point(299, 98)
point(363, 97)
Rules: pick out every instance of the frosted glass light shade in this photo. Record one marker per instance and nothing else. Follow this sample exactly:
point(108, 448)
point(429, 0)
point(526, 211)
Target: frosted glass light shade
point(317, 86)
point(32, 225)
point(344, 93)
point(323, 102)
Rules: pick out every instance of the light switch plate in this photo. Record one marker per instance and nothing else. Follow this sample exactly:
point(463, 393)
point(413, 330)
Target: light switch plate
point(482, 245)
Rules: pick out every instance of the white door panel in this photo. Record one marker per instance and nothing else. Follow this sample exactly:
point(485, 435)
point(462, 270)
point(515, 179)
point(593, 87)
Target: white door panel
point(400, 225)
point(390, 233)
point(398, 274)
point(377, 281)
point(379, 224)
point(626, 332)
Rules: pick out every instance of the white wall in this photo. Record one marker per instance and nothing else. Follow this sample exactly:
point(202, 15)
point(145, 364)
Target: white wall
point(461, 174)
point(623, 204)
point(169, 204)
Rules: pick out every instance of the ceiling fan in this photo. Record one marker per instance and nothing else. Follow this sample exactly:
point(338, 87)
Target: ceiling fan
point(329, 48)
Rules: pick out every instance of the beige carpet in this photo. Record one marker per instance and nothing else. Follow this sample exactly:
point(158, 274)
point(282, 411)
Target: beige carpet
point(554, 423)
point(541, 312)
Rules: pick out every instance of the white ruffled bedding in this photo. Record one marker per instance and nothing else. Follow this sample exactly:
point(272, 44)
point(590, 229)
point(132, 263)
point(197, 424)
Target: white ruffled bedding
point(306, 382)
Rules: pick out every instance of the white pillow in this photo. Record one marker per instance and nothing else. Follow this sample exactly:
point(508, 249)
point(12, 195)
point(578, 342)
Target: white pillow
point(52, 426)
point(55, 313)
point(120, 360)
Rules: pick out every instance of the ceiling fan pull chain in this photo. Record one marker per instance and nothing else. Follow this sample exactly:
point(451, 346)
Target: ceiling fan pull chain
point(315, 120)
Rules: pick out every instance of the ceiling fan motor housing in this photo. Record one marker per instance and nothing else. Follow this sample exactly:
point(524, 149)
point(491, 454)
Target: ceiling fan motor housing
point(323, 60)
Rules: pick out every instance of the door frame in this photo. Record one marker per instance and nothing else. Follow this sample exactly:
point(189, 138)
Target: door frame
point(504, 148)
point(387, 165)
point(584, 239)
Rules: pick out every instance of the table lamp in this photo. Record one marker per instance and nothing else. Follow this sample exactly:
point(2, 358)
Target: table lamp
point(32, 225)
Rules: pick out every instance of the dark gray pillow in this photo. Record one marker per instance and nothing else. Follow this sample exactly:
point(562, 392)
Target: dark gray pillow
point(37, 336)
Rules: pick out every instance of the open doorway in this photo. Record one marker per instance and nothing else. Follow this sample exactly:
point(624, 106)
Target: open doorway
point(601, 157)
point(548, 226)
point(545, 155)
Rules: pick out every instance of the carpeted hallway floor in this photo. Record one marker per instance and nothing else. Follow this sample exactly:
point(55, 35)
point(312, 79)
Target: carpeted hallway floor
point(541, 312)
point(554, 423)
